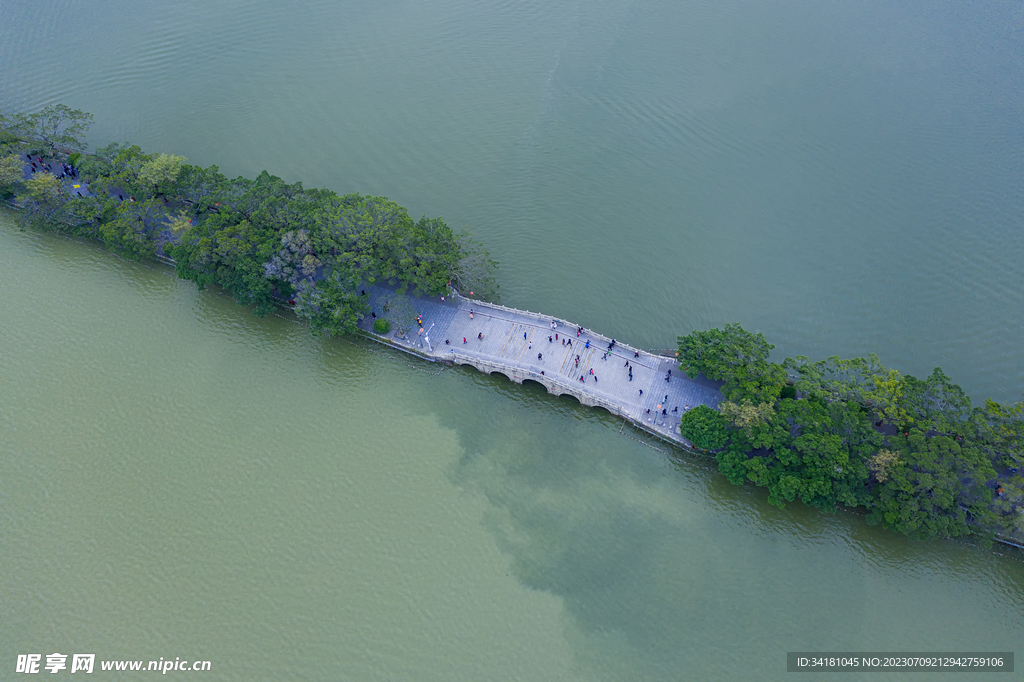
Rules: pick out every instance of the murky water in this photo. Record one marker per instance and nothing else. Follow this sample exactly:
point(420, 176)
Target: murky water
point(178, 478)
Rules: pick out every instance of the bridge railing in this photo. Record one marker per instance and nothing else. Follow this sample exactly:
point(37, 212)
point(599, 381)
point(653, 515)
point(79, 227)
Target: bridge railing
point(516, 370)
point(547, 319)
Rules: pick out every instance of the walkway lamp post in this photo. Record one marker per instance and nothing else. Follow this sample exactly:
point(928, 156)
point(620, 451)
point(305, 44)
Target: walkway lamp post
point(426, 337)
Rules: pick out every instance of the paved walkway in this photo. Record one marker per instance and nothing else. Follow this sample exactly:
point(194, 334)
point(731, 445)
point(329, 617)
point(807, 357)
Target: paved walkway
point(522, 346)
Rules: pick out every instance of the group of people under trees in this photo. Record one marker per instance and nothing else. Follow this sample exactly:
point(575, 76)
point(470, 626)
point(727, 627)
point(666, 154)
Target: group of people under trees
point(261, 239)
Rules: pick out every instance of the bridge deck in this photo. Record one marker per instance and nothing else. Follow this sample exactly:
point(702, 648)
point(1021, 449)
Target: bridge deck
point(522, 346)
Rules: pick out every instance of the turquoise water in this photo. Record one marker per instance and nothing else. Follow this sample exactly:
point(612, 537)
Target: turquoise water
point(179, 478)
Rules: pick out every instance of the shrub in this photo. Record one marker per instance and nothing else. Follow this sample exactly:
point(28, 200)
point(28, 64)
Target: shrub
point(73, 158)
point(93, 166)
point(705, 428)
point(788, 392)
point(382, 326)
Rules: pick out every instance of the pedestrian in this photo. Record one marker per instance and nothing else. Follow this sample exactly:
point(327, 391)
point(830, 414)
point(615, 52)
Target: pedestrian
point(563, 343)
point(591, 370)
point(641, 393)
point(530, 347)
point(595, 378)
point(524, 336)
point(636, 354)
point(664, 413)
point(556, 339)
point(480, 336)
point(675, 409)
point(542, 372)
point(581, 379)
point(550, 340)
point(540, 356)
point(446, 342)
point(471, 314)
point(463, 339)
point(666, 397)
point(569, 343)
point(587, 344)
point(373, 315)
point(648, 411)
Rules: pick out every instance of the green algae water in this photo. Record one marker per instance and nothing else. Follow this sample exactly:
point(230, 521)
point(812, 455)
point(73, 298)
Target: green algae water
point(181, 479)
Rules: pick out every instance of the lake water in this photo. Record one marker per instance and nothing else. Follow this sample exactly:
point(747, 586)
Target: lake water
point(179, 478)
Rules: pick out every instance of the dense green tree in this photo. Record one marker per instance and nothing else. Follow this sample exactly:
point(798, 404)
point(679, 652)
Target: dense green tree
point(882, 462)
point(719, 353)
point(56, 125)
point(12, 170)
point(704, 427)
point(161, 171)
point(737, 357)
point(935, 487)
point(127, 232)
point(43, 188)
point(936, 403)
point(747, 416)
point(332, 305)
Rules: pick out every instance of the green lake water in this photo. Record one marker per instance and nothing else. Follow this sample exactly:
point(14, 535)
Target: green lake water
point(180, 478)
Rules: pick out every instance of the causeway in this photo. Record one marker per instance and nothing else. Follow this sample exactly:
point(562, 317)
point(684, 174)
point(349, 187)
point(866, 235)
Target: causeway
point(522, 346)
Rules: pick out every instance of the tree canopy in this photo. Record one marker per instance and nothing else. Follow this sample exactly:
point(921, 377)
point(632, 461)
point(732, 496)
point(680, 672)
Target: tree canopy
point(262, 239)
point(56, 125)
point(913, 452)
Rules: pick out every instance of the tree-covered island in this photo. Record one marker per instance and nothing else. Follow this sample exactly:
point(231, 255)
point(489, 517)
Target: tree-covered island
point(914, 453)
point(261, 239)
